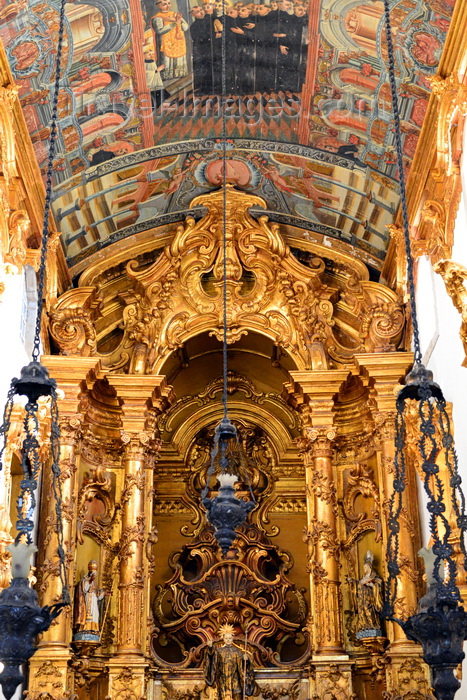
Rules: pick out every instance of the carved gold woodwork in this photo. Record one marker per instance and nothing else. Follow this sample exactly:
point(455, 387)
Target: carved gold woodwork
point(249, 591)
point(21, 193)
point(332, 680)
point(302, 308)
point(434, 184)
point(314, 394)
point(72, 325)
point(454, 276)
point(409, 679)
point(261, 462)
point(322, 310)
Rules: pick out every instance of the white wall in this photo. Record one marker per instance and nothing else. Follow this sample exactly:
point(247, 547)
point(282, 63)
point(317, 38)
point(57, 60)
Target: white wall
point(443, 353)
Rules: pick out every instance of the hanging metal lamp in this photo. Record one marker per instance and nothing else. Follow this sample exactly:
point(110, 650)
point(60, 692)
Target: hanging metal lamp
point(225, 511)
point(21, 617)
point(440, 624)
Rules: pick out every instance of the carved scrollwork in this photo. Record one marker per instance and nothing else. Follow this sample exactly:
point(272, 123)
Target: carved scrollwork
point(454, 276)
point(360, 483)
point(96, 507)
point(382, 325)
point(72, 321)
point(307, 306)
point(206, 591)
point(409, 681)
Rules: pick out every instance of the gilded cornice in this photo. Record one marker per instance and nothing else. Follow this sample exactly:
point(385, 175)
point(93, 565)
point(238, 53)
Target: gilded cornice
point(433, 185)
point(319, 310)
point(22, 193)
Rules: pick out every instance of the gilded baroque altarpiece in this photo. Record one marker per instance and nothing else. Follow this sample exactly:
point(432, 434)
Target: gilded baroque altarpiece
point(315, 355)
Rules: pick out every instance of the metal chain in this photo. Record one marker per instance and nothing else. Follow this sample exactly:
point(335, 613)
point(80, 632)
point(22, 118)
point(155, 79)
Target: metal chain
point(224, 213)
point(55, 434)
point(403, 192)
point(395, 510)
point(5, 427)
point(48, 187)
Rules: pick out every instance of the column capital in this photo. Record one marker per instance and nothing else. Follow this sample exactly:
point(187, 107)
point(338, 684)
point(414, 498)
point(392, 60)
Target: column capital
point(73, 376)
point(70, 428)
point(313, 393)
point(137, 444)
point(384, 372)
point(141, 398)
point(320, 441)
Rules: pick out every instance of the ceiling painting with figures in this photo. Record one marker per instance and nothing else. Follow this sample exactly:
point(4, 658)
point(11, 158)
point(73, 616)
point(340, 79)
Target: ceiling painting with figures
point(307, 113)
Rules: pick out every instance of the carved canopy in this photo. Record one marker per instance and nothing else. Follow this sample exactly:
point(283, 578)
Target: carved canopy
point(316, 309)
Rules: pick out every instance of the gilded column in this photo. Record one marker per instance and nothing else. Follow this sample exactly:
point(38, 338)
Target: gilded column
point(48, 571)
point(317, 390)
point(384, 371)
point(49, 665)
point(142, 398)
point(130, 627)
point(322, 531)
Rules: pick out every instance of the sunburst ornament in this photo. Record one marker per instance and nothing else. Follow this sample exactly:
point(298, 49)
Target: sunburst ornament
point(226, 629)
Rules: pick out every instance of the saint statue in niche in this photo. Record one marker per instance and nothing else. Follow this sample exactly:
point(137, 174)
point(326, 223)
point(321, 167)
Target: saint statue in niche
point(88, 605)
point(367, 600)
point(228, 668)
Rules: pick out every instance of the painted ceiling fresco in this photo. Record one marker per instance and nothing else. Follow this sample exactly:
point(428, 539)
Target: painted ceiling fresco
point(308, 115)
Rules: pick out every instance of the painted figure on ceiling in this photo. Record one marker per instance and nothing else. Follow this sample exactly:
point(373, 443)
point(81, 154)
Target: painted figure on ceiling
point(228, 669)
point(201, 50)
point(170, 28)
point(105, 152)
point(266, 47)
point(153, 73)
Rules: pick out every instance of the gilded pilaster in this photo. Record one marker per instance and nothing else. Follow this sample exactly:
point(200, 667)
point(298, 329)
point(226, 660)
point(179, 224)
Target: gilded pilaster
point(72, 376)
point(49, 581)
point(131, 622)
point(142, 399)
point(385, 373)
point(317, 391)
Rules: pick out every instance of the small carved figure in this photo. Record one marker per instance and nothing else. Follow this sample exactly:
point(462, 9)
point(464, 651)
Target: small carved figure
point(228, 668)
point(88, 598)
point(367, 601)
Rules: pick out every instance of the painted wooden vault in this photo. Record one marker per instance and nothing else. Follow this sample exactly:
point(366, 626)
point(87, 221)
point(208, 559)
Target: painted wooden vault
point(316, 339)
point(309, 125)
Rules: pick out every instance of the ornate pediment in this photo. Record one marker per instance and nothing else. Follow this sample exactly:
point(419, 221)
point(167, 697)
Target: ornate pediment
point(317, 311)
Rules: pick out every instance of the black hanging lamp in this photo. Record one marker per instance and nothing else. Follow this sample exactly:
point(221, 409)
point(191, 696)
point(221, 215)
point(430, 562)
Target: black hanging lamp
point(225, 512)
point(440, 624)
point(21, 617)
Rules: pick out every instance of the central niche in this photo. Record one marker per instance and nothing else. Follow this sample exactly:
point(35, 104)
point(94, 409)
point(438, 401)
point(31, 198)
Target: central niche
point(249, 590)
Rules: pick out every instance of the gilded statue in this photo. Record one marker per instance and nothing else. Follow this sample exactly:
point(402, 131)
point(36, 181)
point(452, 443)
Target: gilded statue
point(88, 604)
point(228, 668)
point(367, 600)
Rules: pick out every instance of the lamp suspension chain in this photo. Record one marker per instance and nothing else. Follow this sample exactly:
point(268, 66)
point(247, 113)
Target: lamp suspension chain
point(402, 185)
point(225, 512)
point(55, 436)
point(48, 184)
point(21, 616)
point(224, 213)
point(440, 622)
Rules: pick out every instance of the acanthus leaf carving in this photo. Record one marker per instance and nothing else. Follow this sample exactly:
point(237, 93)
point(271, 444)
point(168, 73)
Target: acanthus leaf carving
point(308, 306)
point(72, 321)
point(454, 276)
